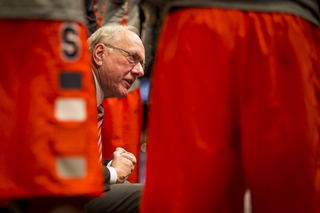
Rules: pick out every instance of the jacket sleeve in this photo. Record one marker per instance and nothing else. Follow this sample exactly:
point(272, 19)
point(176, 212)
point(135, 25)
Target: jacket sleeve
point(92, 23)
point(106, 174)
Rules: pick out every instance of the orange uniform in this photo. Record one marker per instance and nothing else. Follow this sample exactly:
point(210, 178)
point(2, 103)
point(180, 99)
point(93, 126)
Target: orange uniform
point(48, 110)
point(122, 126)
point(234, 104)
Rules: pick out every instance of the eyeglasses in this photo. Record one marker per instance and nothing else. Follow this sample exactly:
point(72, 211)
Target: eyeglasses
point(132, 56)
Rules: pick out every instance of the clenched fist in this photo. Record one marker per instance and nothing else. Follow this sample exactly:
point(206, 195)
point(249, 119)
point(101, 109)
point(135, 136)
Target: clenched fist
point(123, 162)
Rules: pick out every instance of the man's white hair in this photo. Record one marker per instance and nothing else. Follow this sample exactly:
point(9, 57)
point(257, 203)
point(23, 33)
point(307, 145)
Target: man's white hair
point(109, 34)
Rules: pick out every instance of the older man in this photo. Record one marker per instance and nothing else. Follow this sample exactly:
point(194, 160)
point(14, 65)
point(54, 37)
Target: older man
point(117, 55)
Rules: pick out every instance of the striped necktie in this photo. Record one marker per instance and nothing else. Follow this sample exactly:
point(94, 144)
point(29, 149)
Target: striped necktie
point(100, 119)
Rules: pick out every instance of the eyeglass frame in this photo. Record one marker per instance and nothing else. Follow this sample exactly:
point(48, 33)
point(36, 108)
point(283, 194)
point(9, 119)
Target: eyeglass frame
point(143, 65)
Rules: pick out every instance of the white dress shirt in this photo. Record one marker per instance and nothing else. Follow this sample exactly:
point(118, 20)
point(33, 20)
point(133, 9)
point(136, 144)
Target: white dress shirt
point(100, 97)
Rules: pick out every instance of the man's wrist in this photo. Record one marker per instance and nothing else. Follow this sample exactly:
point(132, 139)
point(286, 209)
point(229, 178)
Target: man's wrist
point(113, 175)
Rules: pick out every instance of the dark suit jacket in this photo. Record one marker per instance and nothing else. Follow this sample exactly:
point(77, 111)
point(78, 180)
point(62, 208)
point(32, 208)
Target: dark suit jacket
point(106, 174)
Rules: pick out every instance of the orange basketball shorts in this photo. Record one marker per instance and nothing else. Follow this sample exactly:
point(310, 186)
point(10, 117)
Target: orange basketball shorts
point(234, 104)
point(48, 128)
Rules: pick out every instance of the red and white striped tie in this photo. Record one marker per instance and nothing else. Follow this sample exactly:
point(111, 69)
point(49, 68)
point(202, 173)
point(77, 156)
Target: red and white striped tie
point(100, 118)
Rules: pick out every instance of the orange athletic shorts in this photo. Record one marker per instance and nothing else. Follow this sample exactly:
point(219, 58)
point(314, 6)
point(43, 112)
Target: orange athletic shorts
point(48, 128)
point(122, 126)
point(234, 104)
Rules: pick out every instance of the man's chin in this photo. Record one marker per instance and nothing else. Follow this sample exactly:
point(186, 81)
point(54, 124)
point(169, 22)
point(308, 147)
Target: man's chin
point(123, 94)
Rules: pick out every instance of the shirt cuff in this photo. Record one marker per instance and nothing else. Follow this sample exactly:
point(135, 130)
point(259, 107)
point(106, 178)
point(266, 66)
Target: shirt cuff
point(113, 175)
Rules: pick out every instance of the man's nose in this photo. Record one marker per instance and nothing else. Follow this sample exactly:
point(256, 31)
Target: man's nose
point(138, 70)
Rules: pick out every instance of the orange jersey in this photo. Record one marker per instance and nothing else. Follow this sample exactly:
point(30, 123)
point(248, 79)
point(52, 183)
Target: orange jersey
point(122, 127)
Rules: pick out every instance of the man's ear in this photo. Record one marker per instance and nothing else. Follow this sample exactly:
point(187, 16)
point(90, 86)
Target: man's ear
point(98, 53)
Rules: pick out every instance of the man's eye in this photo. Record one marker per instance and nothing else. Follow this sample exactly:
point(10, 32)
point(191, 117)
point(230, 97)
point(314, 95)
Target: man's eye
point(133, 58)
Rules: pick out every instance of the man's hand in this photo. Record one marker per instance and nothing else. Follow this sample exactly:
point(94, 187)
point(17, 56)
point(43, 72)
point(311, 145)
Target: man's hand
point(123, 162)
